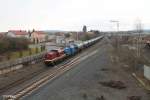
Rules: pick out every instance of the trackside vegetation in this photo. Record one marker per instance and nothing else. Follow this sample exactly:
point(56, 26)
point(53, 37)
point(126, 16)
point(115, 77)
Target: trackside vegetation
point(13, 48)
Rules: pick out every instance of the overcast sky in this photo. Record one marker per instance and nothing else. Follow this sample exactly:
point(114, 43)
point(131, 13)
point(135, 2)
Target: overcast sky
point(72, 14)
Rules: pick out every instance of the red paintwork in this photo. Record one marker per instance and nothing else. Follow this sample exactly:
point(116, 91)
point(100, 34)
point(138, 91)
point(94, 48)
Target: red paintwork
point(51, 55)
point(54, 55)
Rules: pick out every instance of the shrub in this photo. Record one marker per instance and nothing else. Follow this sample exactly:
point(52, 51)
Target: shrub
point(8, 44)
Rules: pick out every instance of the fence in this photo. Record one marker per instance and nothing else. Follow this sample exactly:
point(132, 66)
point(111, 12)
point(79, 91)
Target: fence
point(12, 65)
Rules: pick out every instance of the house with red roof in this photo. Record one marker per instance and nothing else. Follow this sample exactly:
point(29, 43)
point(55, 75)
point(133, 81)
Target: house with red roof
point(38, 36)
point(18, 33)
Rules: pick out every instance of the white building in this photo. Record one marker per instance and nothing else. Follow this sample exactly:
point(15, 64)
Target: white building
point(60, 40)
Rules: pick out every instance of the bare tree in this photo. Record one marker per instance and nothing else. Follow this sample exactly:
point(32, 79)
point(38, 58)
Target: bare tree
point(84, 28)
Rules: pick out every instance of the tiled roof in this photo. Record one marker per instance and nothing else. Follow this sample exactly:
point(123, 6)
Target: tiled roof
point(19, 32)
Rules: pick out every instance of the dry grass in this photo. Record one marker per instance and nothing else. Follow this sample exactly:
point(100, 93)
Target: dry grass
point(16, 54)
point(126, 55)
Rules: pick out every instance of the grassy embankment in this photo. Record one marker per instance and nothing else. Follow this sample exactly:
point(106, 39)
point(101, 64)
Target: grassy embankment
point(19, 54)
point(16, 54)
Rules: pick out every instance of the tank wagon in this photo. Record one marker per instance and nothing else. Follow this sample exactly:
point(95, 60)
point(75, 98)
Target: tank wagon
point(58, 55)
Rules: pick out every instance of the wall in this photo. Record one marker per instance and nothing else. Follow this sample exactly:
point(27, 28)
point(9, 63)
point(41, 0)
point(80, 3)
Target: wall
point(8, 66)
point(147, 72)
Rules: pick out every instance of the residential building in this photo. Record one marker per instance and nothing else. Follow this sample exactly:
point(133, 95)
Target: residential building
point(38, 36)
point(60, 38)
point(17, 33)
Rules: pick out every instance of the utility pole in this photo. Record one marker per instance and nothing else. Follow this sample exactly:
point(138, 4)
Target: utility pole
point(139, 30)
point(138, 27)
point(77, 36)
point(117, 24)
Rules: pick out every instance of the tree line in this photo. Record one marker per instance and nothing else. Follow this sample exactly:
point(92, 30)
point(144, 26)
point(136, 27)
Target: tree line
point(8, 44)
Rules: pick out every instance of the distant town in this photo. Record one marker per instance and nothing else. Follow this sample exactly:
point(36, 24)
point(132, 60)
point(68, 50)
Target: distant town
point(20, 43)
point(38, 36)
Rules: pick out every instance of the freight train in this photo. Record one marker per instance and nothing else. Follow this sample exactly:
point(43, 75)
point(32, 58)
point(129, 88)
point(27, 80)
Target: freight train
point(58, 55)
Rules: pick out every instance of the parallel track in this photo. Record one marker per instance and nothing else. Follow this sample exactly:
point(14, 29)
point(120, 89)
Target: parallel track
point(46, 78)
point(30, 76)
point(50, 74)
point(20, 81)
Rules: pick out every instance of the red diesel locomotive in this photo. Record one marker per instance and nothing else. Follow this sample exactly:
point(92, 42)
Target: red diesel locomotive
point(54, 56)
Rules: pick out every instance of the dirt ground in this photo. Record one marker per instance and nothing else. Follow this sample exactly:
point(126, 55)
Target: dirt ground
point(84, 82)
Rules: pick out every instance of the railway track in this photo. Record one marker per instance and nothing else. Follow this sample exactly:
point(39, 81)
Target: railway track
point(47, 76)
point(30, 76)
point(20, 81)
